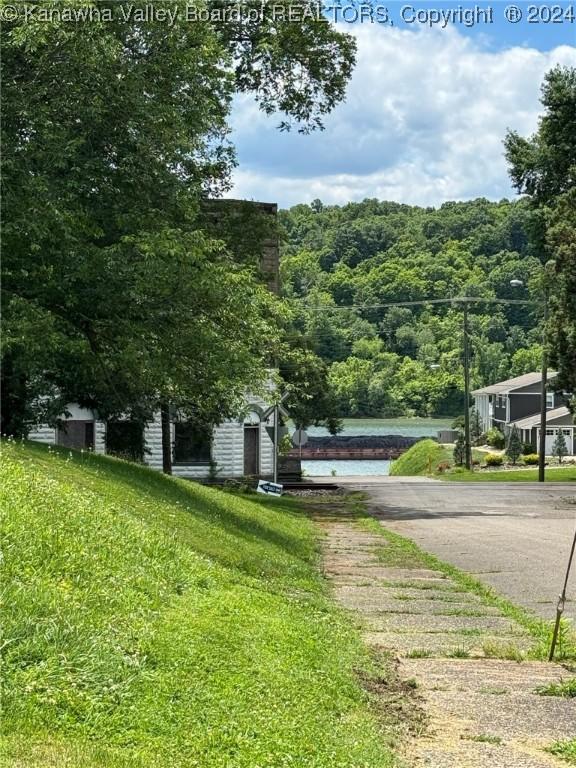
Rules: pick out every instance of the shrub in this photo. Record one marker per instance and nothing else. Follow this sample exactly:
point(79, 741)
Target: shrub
point(514, 447)
point(495, 438)
point(460, 449)
point(531, 458)
point(494, 460)
point(527, 449)
point(444, 466)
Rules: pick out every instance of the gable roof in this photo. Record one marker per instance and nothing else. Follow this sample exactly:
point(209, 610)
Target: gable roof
point(533, 421)
point(503, 387)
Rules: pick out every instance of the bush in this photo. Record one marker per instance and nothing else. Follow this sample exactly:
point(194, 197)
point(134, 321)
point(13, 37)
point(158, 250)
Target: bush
point(494, 460)
point(444, 466)
point(527, 449)
point(531, 458)
point(495, 438)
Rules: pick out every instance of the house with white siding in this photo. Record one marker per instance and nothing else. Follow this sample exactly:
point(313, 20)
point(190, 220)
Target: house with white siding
point(235, 448)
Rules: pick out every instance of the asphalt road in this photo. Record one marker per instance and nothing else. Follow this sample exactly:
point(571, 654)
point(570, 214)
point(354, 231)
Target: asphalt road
point(515, 537)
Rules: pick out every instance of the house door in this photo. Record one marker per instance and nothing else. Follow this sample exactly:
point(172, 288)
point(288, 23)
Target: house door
point(76, 434)
point(551, 435)
point(251, 452)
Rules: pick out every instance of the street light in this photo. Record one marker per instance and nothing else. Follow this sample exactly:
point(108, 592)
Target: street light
point(515, 283)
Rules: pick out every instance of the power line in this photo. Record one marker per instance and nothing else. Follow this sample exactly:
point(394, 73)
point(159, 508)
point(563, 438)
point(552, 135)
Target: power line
point(456, 300)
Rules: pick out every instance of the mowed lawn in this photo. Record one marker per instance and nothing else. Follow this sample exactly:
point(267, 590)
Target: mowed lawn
point(153, 622)
point(552, 475)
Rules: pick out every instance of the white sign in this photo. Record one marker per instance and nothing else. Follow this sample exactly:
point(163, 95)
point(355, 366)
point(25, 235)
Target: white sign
point(299, 438)
point(272, 489)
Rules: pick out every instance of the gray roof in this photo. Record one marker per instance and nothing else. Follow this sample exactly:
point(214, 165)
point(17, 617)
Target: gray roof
point(503, 387)
point(533, 421)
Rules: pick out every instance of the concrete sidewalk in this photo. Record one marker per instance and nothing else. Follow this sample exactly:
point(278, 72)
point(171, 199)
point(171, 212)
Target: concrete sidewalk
point(480, 712)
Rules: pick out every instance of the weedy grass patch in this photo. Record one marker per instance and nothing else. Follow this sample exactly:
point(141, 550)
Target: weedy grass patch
point(151, 621)
point(565, 750)
point(402, 552)
point(565, 689)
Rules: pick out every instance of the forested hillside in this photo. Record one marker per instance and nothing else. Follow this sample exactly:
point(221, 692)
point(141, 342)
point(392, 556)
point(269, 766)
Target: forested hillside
point(407, 360)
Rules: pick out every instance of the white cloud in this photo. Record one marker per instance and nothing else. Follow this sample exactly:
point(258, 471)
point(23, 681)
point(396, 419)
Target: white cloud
point(423, 123)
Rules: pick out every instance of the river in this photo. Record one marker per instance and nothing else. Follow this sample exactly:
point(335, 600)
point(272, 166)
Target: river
point(401, 426)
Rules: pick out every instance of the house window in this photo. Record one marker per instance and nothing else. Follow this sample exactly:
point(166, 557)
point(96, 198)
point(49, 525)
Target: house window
point(549, 399)
point(192, 443)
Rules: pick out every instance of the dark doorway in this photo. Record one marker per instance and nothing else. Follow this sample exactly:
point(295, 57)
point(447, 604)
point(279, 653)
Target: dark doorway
point(125, 439)
point(251, 452)
point(76, 434)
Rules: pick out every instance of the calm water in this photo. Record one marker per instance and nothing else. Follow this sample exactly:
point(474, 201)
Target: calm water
point(407, 427)
point(325, 467)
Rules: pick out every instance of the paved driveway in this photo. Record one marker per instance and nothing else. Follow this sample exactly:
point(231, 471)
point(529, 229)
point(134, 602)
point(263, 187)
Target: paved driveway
point(513, 536)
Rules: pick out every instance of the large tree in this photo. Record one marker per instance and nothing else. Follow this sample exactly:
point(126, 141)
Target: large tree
point(543, 167)
point(114, 130)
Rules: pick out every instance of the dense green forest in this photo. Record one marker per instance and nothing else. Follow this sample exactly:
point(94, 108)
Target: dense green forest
point(388, 361)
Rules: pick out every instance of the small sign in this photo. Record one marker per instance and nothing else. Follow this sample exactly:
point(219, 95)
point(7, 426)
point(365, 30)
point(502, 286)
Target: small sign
point(299, 438)
point(272, 489)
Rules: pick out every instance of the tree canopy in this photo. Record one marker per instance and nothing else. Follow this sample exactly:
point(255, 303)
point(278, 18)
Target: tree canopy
point(543, 167)
point(341, 263)
point(117, 290)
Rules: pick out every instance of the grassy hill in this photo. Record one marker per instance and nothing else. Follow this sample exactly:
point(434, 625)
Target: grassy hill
point(154, 622)
point(421, 459)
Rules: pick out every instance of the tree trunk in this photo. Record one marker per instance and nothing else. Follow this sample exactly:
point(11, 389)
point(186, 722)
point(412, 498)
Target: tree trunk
point(166, 439)
point(14, 401)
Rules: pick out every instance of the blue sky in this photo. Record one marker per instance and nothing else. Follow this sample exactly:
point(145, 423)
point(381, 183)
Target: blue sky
point(425, 115)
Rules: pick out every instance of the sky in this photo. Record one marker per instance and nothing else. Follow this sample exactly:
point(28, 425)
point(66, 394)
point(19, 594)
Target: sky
point(426, 112)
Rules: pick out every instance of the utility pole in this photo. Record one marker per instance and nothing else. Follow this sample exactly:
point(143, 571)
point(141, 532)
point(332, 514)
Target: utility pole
point(543, 393)
point(468, 448)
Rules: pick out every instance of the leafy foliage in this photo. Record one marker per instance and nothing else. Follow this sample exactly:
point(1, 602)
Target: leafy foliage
point(543, 167)
point(338, 262)
point(495, 438)
point(118, 291)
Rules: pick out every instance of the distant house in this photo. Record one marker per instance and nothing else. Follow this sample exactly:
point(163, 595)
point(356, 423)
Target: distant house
point(234, 448)
point(517, 402)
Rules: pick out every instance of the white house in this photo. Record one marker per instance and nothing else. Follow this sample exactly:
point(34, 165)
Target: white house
point(235, 448)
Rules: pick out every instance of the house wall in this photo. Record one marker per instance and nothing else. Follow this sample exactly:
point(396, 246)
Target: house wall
point(482, 405)
point(227, 447)
point(500, 411)
point(49, 435)
point(522, 405)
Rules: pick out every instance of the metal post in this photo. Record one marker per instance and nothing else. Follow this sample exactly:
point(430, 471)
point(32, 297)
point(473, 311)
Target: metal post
point(562, 601)
point(468, 447)
point(276, 412)
point(543, 384)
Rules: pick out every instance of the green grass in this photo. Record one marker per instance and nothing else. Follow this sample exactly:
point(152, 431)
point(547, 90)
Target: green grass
point(150, 621)
point(566, 750)
point(553, 474)
point(421, 459)
point(424, 457)
point(565, 689)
